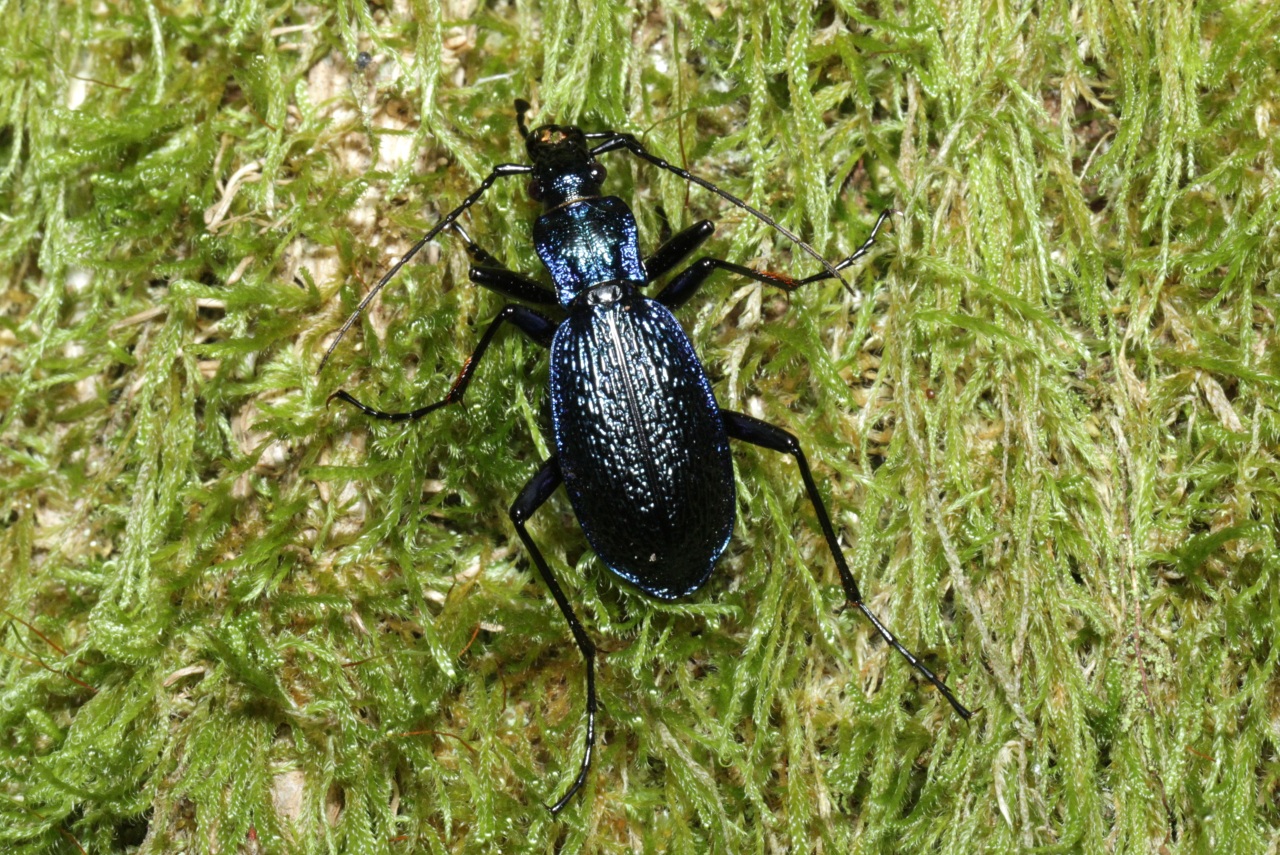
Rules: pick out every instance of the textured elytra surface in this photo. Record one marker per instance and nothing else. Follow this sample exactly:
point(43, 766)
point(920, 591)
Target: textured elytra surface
point(1048, 434)
point(642, 448)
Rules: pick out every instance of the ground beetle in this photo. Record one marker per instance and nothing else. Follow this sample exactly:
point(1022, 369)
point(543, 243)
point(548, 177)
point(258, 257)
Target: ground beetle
point(642, 447)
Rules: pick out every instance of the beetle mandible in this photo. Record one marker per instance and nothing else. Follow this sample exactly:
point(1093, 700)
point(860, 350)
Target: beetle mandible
point(642, 447)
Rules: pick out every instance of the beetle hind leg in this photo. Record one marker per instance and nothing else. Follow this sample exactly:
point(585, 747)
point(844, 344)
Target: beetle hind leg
point(757, 432)
point(537, 491)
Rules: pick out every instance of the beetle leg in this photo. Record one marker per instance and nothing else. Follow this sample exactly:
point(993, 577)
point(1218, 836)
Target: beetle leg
point(681, 288)
point(502, 170)
point(756, 432)
point(539, 488)
point(687, 282)
point(529, 322)
point(847, 262)
point(488, 272)
point(676, 248)
point(615, 140)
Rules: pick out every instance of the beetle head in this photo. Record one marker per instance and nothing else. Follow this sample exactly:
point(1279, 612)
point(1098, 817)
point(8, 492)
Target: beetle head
point(563, 167)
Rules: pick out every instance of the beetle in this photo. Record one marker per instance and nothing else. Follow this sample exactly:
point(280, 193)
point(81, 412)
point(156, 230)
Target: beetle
point(641, 445)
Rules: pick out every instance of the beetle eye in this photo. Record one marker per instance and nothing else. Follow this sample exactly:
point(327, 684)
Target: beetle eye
point(535, 190)
point(598, 173)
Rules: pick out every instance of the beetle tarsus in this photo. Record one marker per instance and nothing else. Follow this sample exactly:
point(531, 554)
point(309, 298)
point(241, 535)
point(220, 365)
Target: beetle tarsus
point(761, 433)
point(343, 395)
point(538, 328)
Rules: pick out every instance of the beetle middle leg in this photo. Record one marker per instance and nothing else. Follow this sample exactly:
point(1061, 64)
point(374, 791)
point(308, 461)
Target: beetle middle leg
point(689, 280)
point(757, 432)
point(529, 322)
point(537, 491)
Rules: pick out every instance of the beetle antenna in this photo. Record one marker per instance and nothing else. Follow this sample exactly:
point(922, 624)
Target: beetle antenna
point(502, 170)
point(616, 139)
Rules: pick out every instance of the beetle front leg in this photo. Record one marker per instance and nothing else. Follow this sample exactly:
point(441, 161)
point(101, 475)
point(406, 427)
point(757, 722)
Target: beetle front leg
point(502, 170)
point(676, 248)
point(757, 432)
point(488, 272)
point(529, 322)
point(537, 491)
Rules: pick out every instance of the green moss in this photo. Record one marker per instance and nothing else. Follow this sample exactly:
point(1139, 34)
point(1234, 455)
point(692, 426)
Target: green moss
point(1048, 433)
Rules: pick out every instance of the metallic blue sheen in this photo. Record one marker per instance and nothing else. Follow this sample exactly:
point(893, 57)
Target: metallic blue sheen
point(586, 242)
point(642, 445)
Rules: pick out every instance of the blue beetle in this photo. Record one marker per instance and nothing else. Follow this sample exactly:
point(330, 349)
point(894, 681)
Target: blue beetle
point(642, 446)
